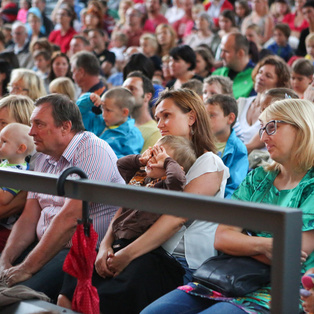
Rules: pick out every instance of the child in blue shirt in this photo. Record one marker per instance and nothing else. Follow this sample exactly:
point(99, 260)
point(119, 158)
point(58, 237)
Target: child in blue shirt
point(281, 46)
point(223, 112)
point(114, 125)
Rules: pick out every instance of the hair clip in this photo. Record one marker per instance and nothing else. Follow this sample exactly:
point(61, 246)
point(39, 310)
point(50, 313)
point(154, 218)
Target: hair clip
point(287, 96)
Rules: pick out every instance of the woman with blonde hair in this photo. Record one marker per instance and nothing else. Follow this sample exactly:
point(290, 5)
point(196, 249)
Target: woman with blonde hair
point(26, 82)
point(63, 85)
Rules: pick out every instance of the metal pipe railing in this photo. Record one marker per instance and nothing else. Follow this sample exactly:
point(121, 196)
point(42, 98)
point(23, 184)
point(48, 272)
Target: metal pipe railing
point(284, 223)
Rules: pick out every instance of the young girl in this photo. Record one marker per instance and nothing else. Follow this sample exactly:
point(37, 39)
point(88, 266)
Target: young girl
point(242, 10)
point(301, 76)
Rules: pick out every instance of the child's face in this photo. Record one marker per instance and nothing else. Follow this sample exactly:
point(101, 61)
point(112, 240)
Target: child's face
point(112, 114)
point(310, 48)
point(224, 24)
point(8, 145)
point(211, 89)
point(117, 42)
point(5, 117)
point(42, 64)
point(219, 123)
point(239, 10)
point(147, 48)
point(280, 38)
point(157, 172)
point(251, 35)
point(300, 82)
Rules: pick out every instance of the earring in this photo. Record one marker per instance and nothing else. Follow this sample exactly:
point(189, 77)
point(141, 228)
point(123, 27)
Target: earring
point(191, 130)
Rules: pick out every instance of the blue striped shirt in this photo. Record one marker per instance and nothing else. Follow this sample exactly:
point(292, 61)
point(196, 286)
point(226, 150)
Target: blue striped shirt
point(96, 158)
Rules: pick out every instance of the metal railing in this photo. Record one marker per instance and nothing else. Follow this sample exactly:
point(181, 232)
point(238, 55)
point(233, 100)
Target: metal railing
point(284, 223)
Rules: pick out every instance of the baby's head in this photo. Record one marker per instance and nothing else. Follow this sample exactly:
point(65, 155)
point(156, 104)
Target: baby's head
point(309, 42)
point(117, 104)
point(15, 143)
point(179, 149)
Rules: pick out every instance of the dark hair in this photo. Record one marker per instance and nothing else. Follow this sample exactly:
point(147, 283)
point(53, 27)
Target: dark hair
point(303, 67)
point(70, 12)
point(63, 109)
point(284, 28)
point(226, 103)
point(188, 101)
point(139, 62)
point(2, 38)
point(87, 61)
point(281, 69)
point(43, 43)
point(280, 93)
point(244, 5)
point(207, 55)
point(10, 57)
point(56, 55)
point(5, 67)
point(309, 4)
point(253, 52)
point(185, 53)
point(148, 86)
point(230, 15)
point(83, 39)
point(44, 53)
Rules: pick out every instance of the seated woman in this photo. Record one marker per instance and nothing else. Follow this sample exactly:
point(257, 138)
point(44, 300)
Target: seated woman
point(288, 182)
point(179, 113)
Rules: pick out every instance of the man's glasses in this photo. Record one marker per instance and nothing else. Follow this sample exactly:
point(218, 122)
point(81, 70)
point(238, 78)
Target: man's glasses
point(270, 128)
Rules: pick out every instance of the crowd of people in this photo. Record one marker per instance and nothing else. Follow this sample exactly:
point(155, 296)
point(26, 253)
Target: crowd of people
point(186, 95)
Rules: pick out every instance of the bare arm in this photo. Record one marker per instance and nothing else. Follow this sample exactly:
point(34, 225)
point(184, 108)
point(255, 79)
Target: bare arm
point(58, 234)
point(165, 227)
point(22, 234)
point(255, 143)
point(5, 197)
point(15, 206)
point(269, 26)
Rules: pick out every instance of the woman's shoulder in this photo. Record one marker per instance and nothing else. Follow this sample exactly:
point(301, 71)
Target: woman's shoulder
point(208, 162)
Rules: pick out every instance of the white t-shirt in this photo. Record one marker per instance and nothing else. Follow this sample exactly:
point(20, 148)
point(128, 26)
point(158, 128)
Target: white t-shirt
point(200, 235)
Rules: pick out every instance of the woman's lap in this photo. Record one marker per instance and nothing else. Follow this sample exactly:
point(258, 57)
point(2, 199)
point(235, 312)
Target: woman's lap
point(180, 302)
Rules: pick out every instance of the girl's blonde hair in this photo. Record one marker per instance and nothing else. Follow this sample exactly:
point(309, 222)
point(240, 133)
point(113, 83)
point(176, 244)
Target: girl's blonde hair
point(63, 85)
point(20, 107)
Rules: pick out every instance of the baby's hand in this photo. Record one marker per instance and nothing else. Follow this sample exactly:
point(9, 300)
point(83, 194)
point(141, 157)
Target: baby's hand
point(146, 156)
point(95, 99)
point(160, 155)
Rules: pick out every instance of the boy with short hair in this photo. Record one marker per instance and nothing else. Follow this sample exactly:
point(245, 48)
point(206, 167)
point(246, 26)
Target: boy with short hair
point(301, 75)
point(15, 145)
point(281, 46)
point(114, 125)
point(42, 60)
point(223, 111)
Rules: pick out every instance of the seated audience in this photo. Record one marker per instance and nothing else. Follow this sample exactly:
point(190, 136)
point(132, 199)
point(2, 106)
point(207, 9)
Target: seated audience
point(114, 125)
point(287, 182)
point(166, 39)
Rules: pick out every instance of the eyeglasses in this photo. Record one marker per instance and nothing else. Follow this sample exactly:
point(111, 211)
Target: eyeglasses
point(270, 128)
point(17, 89)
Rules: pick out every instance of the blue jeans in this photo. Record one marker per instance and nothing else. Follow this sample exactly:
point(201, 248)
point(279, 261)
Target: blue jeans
point(180, 302)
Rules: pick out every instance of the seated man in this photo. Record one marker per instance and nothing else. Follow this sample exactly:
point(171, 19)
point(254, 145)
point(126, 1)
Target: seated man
point(40, 239)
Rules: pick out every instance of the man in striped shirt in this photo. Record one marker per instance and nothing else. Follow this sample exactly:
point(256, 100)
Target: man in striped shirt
point(59, 137)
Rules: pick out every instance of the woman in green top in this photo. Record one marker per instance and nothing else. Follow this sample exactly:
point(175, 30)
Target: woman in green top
point(288, 182)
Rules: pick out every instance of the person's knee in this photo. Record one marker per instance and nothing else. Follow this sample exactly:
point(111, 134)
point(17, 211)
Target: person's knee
point(64, 301)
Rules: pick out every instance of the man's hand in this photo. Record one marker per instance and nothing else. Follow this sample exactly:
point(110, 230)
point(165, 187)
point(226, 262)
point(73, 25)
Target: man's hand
point(16, 274)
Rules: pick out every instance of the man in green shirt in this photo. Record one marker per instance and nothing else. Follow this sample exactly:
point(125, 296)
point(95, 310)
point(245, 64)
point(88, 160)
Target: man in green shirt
point(237, 64)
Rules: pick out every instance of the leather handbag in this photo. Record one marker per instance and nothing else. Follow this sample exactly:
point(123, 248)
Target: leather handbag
point(232, 276)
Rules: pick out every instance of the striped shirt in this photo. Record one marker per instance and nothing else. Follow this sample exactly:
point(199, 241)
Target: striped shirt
point(96, 158)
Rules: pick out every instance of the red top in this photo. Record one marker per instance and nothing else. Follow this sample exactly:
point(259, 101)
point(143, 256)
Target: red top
point(63, 42)
point(289, 19)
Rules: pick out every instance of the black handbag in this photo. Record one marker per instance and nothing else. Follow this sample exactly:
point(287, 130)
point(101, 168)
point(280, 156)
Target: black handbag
point(233, 276)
